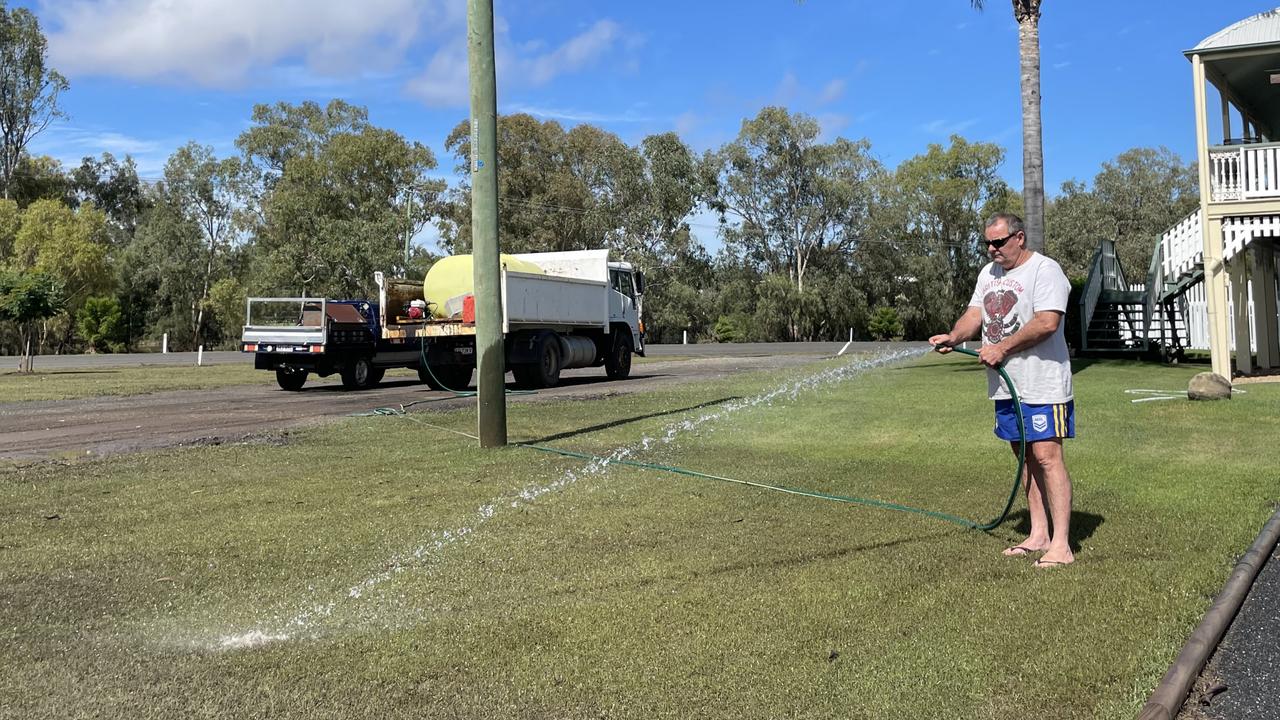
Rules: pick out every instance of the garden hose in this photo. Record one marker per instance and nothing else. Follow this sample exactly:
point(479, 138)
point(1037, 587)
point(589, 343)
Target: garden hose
point(1013, 493)
point(422, 353)
point(946, 517)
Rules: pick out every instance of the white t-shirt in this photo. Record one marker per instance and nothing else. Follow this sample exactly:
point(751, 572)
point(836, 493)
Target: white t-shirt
point(1009, 299)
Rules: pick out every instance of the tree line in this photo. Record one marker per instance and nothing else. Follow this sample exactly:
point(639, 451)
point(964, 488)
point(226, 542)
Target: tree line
point(815, 237)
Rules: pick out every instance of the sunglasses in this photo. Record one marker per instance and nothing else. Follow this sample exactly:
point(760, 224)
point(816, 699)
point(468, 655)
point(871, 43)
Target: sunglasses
point(999, 242)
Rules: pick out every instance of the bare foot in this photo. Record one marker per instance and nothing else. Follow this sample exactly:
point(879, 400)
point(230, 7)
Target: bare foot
point(1053, 560)
point(1027, 547)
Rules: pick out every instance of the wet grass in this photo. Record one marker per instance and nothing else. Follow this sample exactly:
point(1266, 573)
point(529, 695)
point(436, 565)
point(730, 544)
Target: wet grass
point(418, 576)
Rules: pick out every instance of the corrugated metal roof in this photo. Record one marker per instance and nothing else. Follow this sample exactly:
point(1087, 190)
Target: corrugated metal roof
point(1261, 29)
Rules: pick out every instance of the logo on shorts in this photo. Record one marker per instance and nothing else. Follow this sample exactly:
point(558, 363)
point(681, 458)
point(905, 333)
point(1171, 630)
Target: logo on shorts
point(1039, 423)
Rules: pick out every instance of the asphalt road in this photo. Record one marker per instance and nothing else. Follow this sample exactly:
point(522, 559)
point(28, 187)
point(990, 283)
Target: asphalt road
point(1247, 661)
point(220, 357)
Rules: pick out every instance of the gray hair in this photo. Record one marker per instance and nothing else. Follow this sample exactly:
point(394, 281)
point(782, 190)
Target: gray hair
point(1011, 221)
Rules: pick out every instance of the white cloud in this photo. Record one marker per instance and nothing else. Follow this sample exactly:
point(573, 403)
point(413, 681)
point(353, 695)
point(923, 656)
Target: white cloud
point(686, 123)
point(787, 89)
point(580, 115)
point(223, 43)
point(69, 144)
point(575, 53)
point(947, 127)
point(833, 91)
point(832, 124)
point(526, 64)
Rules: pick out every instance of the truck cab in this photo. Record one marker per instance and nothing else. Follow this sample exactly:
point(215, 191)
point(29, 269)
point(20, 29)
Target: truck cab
point(625, 302)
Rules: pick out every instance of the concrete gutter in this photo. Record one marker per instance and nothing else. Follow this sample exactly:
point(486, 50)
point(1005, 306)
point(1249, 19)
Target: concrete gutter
point(1166, 701)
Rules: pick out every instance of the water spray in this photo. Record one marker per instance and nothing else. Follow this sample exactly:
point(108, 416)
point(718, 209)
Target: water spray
point(305, 620)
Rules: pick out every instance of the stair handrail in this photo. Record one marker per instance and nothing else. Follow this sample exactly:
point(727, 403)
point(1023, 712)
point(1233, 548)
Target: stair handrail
point(1089, 295)
point(1155, 288)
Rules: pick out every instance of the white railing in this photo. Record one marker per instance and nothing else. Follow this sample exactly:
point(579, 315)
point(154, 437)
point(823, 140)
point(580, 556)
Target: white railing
point(1238, 231)
point(1183, 246)
point(1244, 172)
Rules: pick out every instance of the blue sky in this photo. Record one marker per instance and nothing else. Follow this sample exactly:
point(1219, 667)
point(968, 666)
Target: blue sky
point(148, 76)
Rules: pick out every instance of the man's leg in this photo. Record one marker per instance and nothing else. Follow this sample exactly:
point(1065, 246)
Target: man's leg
point(1033, 479)
point(1057, 492)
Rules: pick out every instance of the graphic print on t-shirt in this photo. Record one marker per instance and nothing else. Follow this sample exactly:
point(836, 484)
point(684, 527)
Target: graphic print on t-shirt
point(1001, 322)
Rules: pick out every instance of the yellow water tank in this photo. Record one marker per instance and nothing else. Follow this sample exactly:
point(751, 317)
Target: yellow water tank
point(450, 279)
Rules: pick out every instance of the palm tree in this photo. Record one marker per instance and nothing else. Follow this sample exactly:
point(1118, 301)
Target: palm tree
point(1027, 13)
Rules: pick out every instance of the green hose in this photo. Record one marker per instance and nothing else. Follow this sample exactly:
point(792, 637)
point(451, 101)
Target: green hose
point(1013, 493)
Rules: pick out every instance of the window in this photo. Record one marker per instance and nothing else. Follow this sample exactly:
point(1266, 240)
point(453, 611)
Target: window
point(621, 282)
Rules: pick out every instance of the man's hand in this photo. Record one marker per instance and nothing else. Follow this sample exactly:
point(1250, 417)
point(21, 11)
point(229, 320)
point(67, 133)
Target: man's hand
point(941, 343)
point(992, 355)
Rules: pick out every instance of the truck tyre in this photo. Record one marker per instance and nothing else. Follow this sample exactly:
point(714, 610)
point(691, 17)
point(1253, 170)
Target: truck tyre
point(546, 372)
point(358, 375)
point(617, 363)
point(447, 377)
point(291, 380)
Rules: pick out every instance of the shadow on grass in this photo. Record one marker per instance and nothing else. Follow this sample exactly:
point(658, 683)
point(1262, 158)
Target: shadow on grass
point(624, 421)
point(1083, 525)
point(755, 564)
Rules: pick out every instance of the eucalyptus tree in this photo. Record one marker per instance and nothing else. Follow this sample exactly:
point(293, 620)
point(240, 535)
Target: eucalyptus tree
point(1134, 198)
point(925, 250)
point(113, 186)
point(557, 189)
point(28, 89)
point(335, 197)
point(791, 196)
point(1027, 13)
point(208, 191)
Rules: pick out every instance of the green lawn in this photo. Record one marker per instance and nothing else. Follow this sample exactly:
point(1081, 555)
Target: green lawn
point(405, 573)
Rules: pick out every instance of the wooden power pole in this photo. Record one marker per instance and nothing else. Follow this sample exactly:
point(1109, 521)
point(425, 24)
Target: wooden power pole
point(490, 354)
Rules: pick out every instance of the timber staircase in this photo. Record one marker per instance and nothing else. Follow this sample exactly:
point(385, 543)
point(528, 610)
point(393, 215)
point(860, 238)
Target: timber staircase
point(1117, 318)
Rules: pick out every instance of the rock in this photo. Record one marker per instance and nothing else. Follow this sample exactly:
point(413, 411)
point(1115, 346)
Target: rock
point(1209, 386)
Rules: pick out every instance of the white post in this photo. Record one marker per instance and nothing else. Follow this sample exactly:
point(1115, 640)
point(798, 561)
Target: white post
point(1264, 319)
point(686, 337)
point(164, 345)
point(200, 355)
point(850, 334)
point(1240, 309)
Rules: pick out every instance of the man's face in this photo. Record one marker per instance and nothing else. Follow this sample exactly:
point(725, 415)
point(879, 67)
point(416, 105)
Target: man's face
point(1011, 245)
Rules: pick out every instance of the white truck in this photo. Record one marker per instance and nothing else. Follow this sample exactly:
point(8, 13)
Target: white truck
point(580, 310)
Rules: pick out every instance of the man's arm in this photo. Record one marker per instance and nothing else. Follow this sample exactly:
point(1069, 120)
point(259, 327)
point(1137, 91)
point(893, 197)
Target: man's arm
point(965, 328)
point(1042, 326)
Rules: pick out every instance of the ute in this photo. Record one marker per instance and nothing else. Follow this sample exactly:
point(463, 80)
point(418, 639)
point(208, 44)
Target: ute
point(299, 337)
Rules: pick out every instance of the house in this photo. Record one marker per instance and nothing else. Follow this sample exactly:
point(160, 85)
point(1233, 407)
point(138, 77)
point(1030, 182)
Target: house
point(1230, 242)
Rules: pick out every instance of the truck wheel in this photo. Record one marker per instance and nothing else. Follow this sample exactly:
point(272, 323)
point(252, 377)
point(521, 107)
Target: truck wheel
point(546, 372)
point(447, 377)
point(291, 380)
point(617, 364)
point(358, 375)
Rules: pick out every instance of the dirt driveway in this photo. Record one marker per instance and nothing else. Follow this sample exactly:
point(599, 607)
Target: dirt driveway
point(34, 431)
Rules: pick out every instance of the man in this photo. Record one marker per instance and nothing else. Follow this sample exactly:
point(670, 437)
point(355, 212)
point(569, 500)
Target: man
point(1018, 305)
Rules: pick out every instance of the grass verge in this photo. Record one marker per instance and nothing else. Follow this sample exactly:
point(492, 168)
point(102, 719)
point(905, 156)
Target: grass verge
point(134, 380)
point(405, 573)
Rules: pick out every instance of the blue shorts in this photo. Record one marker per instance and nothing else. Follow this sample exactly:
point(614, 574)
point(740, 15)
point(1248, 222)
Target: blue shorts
point(1043, 421)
